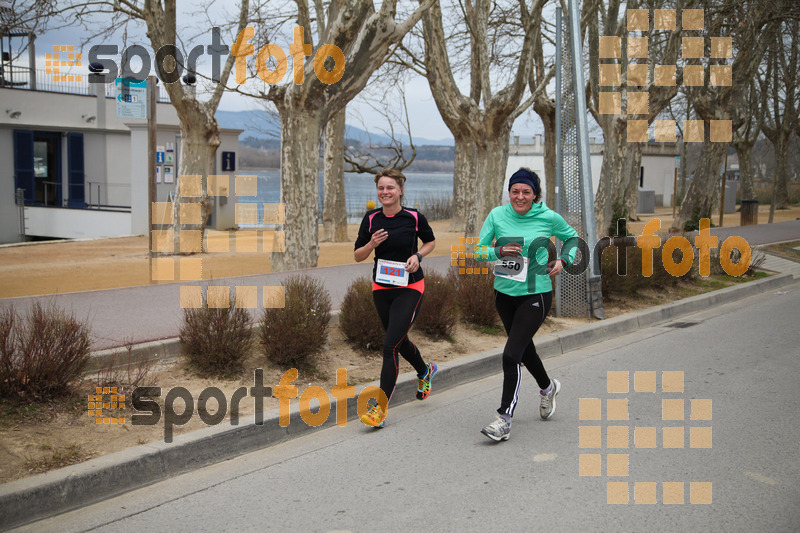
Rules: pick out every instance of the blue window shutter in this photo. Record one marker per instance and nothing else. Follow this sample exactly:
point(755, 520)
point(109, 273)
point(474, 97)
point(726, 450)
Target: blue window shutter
point(23, 163)
point(76, 179)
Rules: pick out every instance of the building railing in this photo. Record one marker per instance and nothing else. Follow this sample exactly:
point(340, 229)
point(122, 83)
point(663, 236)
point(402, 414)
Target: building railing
point(97, 195)
point(13, 77)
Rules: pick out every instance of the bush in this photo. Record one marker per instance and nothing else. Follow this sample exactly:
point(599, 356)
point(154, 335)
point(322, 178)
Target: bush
point(358, 319)
point(615, 285)
point(291, 336)
point(216, 341)
point(474, 297)
point(42, 352)
point(438, 314)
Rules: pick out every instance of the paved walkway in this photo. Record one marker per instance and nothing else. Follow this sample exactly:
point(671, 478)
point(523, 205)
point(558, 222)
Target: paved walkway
point(140, 314)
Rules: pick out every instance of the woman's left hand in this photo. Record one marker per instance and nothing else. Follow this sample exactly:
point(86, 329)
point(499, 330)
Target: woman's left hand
point(412, 265)
point(554, 268)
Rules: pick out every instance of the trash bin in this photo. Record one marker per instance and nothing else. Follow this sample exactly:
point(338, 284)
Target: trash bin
point(647, 201)
point(749, 214)
point(731, 188)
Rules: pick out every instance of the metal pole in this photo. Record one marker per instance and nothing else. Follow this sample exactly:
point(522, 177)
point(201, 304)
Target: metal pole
point(151, 160)
point(722, 196)
point(21, 205)
point(582, 125)
point(559, 147)
point(675, 189)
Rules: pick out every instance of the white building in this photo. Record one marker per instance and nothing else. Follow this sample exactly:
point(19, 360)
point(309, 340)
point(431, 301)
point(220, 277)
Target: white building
point(83, 171)
point(657, 170)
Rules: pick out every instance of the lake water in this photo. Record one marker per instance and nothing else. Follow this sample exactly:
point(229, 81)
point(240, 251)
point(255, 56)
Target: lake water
point(359, 188)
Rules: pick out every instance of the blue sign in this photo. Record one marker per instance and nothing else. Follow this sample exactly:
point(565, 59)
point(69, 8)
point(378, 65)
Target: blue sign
point(228, 161)
point(159, 157)
point(131, 98)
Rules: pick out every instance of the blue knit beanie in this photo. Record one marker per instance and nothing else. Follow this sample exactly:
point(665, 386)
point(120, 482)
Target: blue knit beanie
point(528, 178)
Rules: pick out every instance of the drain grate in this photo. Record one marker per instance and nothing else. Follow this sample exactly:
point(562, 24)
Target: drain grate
point(681, 324)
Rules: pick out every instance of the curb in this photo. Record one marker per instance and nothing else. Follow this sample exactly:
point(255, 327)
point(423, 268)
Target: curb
point(75, 486)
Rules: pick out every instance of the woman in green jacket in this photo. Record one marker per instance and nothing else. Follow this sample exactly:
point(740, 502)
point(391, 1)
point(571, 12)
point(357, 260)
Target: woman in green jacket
point(516, 235)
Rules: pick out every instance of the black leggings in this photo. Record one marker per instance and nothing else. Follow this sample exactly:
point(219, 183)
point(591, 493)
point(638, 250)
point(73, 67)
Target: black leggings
point(522, 317)
point(397, 309)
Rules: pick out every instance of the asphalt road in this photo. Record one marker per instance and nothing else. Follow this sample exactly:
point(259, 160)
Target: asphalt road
point(431, 469)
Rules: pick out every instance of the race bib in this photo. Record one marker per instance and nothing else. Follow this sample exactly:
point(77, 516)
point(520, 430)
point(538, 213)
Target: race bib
point(391, 273)
point(514, 268)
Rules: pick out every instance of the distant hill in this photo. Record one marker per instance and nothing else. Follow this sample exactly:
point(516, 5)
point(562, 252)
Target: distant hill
point(259, 124)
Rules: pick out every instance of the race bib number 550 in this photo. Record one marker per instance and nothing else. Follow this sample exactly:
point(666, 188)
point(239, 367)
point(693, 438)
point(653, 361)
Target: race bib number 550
point(514, 268)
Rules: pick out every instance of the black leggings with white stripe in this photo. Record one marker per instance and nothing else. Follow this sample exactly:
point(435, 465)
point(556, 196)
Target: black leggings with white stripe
point(397, 309)
point(522, 317)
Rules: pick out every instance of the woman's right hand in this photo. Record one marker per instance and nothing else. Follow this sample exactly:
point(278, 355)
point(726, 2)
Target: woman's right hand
point(510, 249)
point(378, 237)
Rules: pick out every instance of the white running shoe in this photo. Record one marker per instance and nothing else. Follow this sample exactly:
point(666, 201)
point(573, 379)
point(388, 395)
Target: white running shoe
point(498, 430)
point(548, 401)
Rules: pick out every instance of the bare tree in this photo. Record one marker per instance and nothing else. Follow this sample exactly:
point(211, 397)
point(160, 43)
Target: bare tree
point(394, 153)
point(780, 115)
point(334, 202)
point(746, 135)
point(752, 24)
point(199, 128)
point(617, 192)
point(545, 107)
point(481, 121)
point(339, 159)
point(365, 37)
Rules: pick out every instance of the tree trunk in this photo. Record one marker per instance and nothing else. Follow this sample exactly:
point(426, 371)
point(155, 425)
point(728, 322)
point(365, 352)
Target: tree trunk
point(699, 199)
point(546, 109)
point(781, 143)
point(199, 142)
point(334, 204)
point(300, 134)
point(633, 166)
point(607, 203)
point(491, 161)
point(464, 186)
point(744, 151)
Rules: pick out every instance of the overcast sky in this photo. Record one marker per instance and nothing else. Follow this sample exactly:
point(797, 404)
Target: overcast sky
point(423, 114)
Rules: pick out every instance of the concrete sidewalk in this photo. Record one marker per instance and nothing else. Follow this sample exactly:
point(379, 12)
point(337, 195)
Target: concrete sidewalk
point(49, 494)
